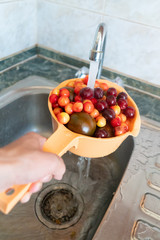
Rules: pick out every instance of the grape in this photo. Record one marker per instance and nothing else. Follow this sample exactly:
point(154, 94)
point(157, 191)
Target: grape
point(129, 112)
point(98, 92)
point(122, 95)
point(112, 91)
point(101, 133)
point(122, 103)
point(111, 100)
point(86, 93)
point(109, 114)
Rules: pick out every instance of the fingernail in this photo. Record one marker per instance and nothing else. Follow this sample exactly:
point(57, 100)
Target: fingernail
point(47, 178)
point(26, 197)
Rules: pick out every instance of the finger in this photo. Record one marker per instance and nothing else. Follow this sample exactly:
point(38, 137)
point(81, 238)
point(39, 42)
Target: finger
point(26, 197)
point(35, 187)
point(47, 178)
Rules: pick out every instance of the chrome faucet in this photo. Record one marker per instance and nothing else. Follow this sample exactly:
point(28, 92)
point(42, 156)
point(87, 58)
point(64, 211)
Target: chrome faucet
point(98, 49)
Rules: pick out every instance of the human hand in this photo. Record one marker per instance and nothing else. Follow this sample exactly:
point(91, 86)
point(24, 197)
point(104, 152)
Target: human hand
point(24, 161)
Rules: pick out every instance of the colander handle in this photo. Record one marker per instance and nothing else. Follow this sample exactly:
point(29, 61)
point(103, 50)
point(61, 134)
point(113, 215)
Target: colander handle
point(59, 142)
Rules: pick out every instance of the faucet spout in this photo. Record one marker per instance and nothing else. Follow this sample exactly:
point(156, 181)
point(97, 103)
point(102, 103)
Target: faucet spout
point(98, 50)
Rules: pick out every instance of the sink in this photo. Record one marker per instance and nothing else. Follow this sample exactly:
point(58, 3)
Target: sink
point(92, 182)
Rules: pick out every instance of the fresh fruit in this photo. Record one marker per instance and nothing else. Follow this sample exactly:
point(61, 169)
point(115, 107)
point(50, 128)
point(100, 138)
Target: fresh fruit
point(116, 122)
point(63, 117)
point(63, 101)
point(57, 110)
point(112, 91)
point(109, 114)
point(53, 98)
point(98, 112)
point(104, 86)
point(69, 108)
point(86, 93)
point(85, 79)
point(98, 93)
point(122, 95)
point(122, 103)
point(101, 121)
point(129, 112)
point(82, 123)
point(77, 107)
point(88, 107)
point(101, 133)
point(116, 109)
point(64, 92)
point(111, 100)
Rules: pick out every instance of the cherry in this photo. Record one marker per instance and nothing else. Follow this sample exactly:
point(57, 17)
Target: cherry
point(116, 122)
point(129, 112)
point(86, 93)
point(111, 100)
point(98, 93)
point(112, 91)
point(122, 103)
point(101, 105)
point(109, 114)
point(101, 133)
point(122, 95)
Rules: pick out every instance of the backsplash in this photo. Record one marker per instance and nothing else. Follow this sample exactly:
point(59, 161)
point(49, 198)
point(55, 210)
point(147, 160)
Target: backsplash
point(69, 26)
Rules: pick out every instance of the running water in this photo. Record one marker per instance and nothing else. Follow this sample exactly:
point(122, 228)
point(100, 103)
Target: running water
point(93, 69)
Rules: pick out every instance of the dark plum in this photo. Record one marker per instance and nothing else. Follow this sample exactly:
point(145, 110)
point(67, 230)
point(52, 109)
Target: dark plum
point(129, 112)
point(109, 114)
point(111, 100)
point(98, 93)
point(122, 95)
point(122, 103)
point(86, 93)
point(112, 91)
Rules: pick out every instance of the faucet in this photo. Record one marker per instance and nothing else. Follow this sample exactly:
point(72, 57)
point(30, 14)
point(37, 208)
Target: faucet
point(98, 50)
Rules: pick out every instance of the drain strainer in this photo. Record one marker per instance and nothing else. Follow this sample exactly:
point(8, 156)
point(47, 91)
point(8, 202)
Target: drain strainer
point(59, 206)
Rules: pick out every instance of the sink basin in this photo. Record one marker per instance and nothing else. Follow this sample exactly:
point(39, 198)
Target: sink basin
point(94, 180)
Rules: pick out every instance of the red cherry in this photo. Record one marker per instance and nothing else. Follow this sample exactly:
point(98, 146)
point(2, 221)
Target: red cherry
point(122, 103)
point(116, 122)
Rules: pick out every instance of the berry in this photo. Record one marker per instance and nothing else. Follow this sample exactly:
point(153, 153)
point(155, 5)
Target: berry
point(53, 98)
point(104, 86)
point(112, 91)
point(63, 117)
point(57, 110)
point(98, 93)
point(69, 108)
point(129, 112)
point(109, 114)
point(100, 121)
point(122, 103)
point(111, 100)
point(94, 113)
point(88, 107)
point(77, 107)
point(64, 92)
point(55, 91)
point(93, 100)
point(122, 117)
point(101, 133)
point(63, 101)
point(116, 122)
point(120, 130)
point(86, 93)
point(85, 79)
point(117, 109)
point(122, 95)
point(99, 106)
point(77, 98)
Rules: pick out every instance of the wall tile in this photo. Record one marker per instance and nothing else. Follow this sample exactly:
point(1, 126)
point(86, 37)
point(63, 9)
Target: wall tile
point(133, 49)
point(65, 29)
point(17, 26)
point(144, 11)
point(91, 5)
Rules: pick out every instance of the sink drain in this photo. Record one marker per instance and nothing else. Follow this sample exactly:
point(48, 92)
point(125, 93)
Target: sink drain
point(59, 206)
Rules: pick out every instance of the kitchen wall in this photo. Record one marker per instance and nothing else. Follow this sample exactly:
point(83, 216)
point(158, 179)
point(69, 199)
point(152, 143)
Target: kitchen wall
point(133, 44)
point(68, 26)
point(18, 26)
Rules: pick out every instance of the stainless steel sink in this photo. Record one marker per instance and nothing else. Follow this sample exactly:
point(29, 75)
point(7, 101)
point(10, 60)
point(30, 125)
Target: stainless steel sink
point(96, 181)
